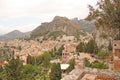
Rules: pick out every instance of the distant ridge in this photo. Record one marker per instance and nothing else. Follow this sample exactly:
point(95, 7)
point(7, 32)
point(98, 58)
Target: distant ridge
point(13, 35)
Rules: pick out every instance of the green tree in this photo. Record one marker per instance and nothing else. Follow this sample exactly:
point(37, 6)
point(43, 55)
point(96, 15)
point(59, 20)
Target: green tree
point(1, 73)
point(92, 47)
point(13, 70)
point(107, 15)
point(72, 65)
point(59, 51)
point(99, 65)
point(117, 37)
point(87, 63)
point(30, 72)
point(19, 48)
point(39, 60)
point(96, 64)
point(46, 60)
point(55, 73)
point(96, 49)
point(81, 47)
point(110, 47)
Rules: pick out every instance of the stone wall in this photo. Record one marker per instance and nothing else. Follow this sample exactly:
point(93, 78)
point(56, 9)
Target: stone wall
point(103, 72)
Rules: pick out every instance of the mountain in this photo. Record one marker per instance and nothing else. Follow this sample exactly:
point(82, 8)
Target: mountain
point(13, 35)
point(58, 26)
point(87, 26)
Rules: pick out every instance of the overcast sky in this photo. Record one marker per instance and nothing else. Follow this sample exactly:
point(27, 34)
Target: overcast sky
point(25, 15)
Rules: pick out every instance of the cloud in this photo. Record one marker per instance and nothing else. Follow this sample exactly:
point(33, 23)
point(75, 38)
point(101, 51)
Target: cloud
point(42, 8)
point(15, 14)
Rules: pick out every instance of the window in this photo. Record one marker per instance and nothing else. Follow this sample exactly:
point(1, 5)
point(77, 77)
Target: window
point(115, 45)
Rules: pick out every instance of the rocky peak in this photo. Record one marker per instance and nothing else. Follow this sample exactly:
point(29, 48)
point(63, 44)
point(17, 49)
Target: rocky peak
point(56, 18)
point(57, 24)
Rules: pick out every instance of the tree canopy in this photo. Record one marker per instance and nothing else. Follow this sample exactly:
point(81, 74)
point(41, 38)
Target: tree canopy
point(55, 72)
point(90, 47)
point(13, 70)
point(107, 15)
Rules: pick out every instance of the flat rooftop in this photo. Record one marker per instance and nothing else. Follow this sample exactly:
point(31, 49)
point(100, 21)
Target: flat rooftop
point(64, 66)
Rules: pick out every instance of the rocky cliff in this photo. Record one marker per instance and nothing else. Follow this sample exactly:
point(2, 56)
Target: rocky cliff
point(58, 24)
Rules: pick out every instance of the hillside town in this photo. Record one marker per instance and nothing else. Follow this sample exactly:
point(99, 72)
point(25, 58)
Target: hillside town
point(82, 44)
point(34, 48)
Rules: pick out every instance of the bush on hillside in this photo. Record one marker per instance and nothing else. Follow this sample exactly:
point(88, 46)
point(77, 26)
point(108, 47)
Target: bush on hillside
point(102, 54)
point(96, 64)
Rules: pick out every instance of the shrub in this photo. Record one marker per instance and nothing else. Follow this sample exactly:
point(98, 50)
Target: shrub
point(104, 35)
point(87, 63)
point(99, 65)
point(102, 54)
point(117, 37)
point(72, 65)
point(96, 64)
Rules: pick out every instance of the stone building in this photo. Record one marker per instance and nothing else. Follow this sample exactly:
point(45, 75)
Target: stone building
point(116, 55)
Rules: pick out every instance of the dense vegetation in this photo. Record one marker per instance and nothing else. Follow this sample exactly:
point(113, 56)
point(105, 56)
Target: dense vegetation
point(103, 54)
point(55, 72)
point(36, 68)
point(96, 64)
point(72, 65)
point(57, 53)
point(13, 70)
point(90, 47)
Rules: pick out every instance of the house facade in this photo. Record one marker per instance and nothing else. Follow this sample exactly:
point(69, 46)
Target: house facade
point(116, 55)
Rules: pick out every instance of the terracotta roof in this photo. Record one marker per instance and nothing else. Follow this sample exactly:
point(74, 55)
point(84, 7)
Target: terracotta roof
point(1, 64)
point(102, 77)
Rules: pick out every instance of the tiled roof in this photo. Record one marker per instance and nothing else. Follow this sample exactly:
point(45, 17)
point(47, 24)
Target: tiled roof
point(102, 77)
point(1, 64)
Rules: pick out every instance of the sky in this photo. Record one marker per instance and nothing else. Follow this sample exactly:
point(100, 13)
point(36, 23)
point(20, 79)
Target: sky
point(26, 15)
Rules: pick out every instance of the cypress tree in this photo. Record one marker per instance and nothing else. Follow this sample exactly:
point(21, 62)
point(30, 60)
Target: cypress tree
point(55, 72)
